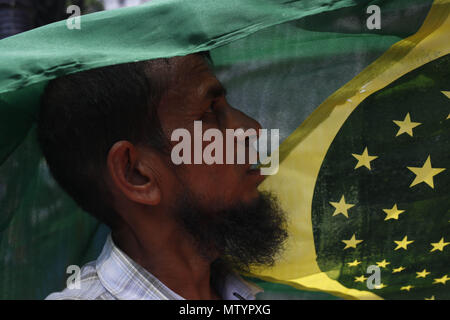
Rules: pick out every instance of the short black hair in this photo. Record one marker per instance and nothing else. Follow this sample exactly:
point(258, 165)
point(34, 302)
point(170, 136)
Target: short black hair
point(83, 114)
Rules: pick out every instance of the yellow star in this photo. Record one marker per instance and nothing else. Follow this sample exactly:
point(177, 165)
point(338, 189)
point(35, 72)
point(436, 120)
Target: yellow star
point(383, 264)
point(406, 126)
point(439, 245)
point(352, 243)
point(403, 244)
point(341, 207)
point(354, 263)
point(442, 280)
point(360, 279)
point(407, 288)
point(380, 286)
point(422, 274)
point(392, 213)
point(425, 173)
point(364, 159)
point(431, 298)
point(399, 269)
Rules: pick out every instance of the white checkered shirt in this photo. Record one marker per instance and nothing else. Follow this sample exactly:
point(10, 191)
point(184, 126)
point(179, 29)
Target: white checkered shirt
point(114, 276)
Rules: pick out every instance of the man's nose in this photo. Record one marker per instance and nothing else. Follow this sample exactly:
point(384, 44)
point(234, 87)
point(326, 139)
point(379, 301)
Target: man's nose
point(235, 119)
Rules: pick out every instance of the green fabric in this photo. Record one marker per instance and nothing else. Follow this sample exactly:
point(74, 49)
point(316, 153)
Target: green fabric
point(278, 59)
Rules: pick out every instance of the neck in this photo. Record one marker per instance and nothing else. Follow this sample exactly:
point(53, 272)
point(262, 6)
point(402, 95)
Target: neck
point(170, 255)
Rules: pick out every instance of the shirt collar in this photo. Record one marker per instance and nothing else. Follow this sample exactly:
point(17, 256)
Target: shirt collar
point(127, 280)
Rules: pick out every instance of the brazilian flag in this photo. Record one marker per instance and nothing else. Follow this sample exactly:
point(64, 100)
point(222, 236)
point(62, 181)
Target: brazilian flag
point(363, 111)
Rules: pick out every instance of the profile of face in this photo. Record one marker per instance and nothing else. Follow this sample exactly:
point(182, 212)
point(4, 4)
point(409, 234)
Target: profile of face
point(219, 205)
point(196, 95)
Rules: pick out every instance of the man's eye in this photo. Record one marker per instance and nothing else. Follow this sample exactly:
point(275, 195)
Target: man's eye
point(210, 108)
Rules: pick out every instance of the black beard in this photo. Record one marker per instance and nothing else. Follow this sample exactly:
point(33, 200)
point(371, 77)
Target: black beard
point(243, 235)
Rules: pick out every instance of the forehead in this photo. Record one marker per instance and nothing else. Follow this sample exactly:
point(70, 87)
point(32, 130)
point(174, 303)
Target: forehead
point(192, 75)
point(191, 85)
point(193, 63)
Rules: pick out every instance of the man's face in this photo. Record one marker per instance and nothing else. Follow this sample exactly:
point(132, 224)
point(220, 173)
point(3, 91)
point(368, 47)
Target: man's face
point(195, 94)
point(219, 204)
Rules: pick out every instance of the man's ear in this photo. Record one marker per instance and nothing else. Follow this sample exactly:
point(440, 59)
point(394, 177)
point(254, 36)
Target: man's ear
point(132, 175)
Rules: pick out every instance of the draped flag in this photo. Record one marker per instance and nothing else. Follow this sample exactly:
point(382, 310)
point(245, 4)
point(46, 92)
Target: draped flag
point(364, 114)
